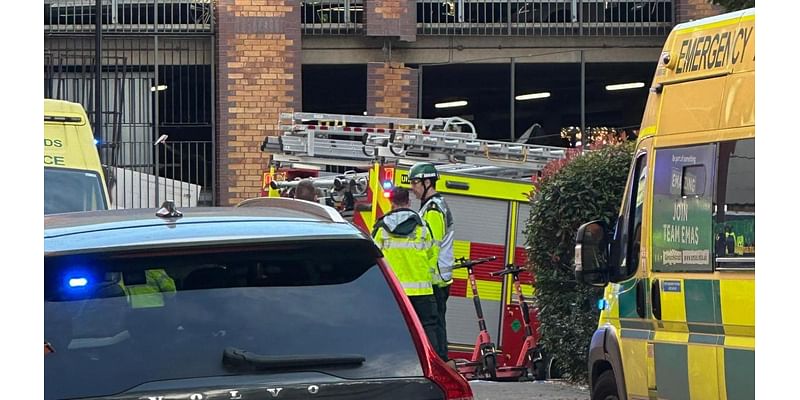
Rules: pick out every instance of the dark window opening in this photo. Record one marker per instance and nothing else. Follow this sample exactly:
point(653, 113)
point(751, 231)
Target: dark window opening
point(735, 205)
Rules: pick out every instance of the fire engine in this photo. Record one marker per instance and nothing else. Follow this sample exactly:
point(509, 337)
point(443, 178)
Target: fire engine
point(486, 184)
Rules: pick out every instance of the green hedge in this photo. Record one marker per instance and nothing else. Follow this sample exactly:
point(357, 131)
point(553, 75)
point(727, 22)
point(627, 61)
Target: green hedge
point(585, 188)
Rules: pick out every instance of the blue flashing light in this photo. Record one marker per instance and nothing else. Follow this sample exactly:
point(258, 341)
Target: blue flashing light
point(77, 282)
point(387, 185)
point(96, 142)
point(602, 304)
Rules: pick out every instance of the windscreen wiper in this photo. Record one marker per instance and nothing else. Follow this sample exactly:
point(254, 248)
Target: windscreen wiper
point(237, 358)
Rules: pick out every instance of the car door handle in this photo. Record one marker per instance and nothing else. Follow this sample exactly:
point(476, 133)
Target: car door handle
point(655, 291)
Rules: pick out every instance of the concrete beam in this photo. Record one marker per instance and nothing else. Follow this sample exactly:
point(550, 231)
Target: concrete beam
point(439, 49)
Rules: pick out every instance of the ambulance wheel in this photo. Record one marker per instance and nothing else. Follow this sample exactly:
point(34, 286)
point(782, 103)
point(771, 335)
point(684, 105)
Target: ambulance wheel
point(606, 387)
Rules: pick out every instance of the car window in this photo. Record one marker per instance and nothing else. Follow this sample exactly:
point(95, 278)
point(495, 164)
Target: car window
point(735, 205)
point(129, 319)
point(682, 208)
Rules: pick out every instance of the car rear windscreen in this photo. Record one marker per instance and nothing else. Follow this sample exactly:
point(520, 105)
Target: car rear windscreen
point(116, 321)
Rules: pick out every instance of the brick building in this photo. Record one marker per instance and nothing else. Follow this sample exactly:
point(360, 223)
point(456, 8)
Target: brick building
point(218, 73)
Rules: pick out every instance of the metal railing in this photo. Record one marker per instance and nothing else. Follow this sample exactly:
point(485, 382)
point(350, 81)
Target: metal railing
point(151, 85)
point(332, 17)
point(544, 17)
point(130, 16)
point(181, 172)
point(504, 17)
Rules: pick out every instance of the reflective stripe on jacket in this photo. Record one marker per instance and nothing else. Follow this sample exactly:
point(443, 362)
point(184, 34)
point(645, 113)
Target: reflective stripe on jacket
point(407, 244)
point(436, 213)
point(151, 293)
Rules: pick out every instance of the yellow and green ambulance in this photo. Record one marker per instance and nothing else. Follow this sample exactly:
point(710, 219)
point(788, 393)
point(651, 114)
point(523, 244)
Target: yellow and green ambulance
point(73, 176)
point(677, 318)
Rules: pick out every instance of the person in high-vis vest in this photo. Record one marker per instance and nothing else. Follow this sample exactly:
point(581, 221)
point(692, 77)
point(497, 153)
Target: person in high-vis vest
point(407, 244)
point(435, 212)
point(150, 293)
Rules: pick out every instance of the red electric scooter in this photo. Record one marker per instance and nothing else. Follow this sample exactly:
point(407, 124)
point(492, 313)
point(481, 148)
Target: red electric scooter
point(483, 363)
point(529, 361)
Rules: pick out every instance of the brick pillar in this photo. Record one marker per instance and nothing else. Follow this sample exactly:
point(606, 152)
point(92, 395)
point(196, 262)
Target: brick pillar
point(689, 10)
point(392, 90)
point(397, 18)
point(259, 64)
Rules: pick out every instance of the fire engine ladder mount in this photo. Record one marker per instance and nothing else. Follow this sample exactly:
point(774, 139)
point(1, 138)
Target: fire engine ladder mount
point(311, 138)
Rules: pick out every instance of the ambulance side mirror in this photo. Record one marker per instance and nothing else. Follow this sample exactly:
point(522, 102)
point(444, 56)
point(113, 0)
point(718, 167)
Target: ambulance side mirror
point(592, 254)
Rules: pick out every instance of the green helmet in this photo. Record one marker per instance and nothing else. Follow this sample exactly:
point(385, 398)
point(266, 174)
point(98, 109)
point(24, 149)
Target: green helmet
point(423, 170)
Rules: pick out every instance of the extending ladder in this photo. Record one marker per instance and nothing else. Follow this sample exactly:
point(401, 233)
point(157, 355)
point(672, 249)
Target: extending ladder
point(355, 140)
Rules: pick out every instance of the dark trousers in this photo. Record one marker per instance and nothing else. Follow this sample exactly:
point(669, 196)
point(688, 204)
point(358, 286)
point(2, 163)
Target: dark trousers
point(441, 294)
point(428, 314)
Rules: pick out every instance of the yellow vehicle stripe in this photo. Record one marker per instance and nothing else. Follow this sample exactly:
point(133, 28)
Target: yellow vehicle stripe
point(528, 290)
point(634, 358)
point(488, 290)
point(739, 341)
point(512, 238)
point(723, 393)
point(461, 248)
point(704, 27)
point(673, 305)
point(698, 357)
point(716, 24)
point(478, 187)
point(672, 337)
point(738, 307)
point(647, 131)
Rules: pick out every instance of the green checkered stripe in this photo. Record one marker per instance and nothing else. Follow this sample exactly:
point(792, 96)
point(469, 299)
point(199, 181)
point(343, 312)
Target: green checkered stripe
point(704, 325)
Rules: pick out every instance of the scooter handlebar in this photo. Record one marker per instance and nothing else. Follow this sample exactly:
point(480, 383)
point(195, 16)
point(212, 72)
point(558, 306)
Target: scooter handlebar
point(464, 263)
point(509, 269)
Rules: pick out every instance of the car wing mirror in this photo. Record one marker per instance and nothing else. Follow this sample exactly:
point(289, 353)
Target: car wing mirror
point(592, 253)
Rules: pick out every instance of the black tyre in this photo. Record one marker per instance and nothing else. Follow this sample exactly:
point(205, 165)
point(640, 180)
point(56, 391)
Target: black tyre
point(490, 366)
point(546, 368)
point(532, 365)
point(553, 371)
point(606, 387)
point(539, 372)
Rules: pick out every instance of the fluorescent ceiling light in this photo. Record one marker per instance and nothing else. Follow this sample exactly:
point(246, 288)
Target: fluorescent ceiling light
point(623, 86)
point(158, 88)
point(459, 103)
point(531, 96)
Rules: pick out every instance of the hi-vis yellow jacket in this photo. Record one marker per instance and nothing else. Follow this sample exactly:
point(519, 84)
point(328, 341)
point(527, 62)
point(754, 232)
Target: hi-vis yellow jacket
point(407, 244)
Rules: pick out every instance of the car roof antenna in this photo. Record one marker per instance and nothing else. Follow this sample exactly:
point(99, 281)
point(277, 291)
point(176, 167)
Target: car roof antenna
point(168, 210)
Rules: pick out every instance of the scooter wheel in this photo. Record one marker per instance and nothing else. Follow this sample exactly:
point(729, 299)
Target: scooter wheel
point(490, 366)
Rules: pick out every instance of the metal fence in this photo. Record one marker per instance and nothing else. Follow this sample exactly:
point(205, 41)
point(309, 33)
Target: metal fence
point(183, 174)
point(545, 17)
point(504, 17)
point(152, 85)
point(332, 17)
point(130, 16)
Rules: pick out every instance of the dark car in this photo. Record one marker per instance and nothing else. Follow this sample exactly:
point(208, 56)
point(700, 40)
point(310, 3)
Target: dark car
point(283, 300)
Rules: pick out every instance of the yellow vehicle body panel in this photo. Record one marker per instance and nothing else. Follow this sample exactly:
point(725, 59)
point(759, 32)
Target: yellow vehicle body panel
point(473, 186)
point(703, 344)
point(69, 146)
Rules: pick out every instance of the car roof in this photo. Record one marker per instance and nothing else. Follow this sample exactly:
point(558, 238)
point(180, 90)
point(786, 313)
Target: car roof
point(121, 230)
